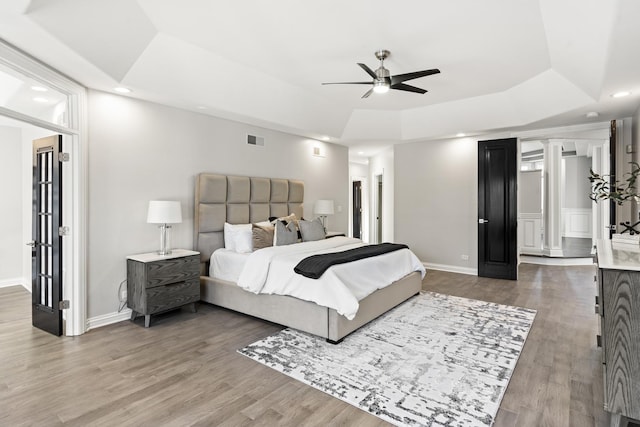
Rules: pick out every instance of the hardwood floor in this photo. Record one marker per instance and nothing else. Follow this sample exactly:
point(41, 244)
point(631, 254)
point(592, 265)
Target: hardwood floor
point(184, 370)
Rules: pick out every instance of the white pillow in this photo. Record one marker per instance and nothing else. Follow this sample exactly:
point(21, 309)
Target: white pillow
point(238, 237)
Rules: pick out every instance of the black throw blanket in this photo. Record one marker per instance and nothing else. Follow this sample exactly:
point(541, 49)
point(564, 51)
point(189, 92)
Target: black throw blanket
point(314, 266)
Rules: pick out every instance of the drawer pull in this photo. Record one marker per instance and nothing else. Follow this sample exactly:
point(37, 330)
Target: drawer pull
point(597, 309)
point(599, 341)
point(597, 300)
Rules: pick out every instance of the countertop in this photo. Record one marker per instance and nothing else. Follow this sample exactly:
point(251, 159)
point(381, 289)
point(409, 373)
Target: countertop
point(153, 256)
point(618, 256)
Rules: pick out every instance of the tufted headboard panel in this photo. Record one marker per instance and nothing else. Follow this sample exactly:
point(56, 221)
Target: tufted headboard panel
point(239, 200)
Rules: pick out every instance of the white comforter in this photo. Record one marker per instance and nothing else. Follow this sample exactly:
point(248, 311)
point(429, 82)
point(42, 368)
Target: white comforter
point(270, 271)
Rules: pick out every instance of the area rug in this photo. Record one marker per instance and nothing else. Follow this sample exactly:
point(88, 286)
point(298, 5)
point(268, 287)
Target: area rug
point(435, 360)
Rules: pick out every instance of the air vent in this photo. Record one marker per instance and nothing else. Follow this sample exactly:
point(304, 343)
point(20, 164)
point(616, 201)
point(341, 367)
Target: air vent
point(255, 140)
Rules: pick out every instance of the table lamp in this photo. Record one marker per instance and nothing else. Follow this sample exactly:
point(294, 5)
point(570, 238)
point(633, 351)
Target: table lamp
point(322, 208)
point(164, 212)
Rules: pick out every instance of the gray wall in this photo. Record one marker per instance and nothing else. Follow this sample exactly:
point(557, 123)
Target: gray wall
point(576, 181)
point(140, 151)
point(382, 164)
point(530, 188)
point(11, 243)
point(436, 201)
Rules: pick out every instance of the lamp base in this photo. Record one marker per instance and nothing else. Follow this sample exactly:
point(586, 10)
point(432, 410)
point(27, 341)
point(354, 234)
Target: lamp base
point(165, 235)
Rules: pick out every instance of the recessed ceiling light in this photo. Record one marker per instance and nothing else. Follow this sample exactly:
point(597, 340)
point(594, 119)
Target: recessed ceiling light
point(39, 88)
point(122, 89)
point(460, 134)
point(621, 94)
point(592, 114)
point(360, 153)
point(39, 99)
point(325, 138)
point(201, 107)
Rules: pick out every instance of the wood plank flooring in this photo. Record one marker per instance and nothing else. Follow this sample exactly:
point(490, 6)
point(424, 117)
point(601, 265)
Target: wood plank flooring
point(184, 370)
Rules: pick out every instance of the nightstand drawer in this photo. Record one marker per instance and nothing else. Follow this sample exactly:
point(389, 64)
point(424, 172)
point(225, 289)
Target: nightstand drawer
point(166, 297)
point(172, 270)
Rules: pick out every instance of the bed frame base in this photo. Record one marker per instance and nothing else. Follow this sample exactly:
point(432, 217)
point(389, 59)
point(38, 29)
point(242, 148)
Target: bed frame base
point(304, 315)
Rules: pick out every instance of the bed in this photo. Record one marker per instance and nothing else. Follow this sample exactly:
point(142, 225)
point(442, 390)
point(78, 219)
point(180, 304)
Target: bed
point(242, 200)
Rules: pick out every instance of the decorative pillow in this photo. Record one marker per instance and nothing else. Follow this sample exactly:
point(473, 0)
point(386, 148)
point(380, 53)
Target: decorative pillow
point(285, 234)
point(311, 230)
point(287, 219)
point(238, 237)
point(262, 235)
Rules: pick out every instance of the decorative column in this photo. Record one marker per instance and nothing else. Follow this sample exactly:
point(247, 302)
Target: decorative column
point(600, 210)
point(552, 202)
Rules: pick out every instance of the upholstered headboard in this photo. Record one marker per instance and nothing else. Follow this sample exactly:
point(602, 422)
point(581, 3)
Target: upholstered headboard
point(239, 200)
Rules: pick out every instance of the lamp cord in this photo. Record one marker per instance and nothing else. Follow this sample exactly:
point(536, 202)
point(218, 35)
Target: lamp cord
point(123, 302)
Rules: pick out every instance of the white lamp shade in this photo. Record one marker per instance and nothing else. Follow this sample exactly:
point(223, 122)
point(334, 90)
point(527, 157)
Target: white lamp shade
point(323, 207)
point(164, 212)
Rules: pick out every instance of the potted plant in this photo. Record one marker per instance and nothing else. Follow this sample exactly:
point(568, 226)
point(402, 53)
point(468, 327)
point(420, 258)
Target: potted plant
point(602, 188)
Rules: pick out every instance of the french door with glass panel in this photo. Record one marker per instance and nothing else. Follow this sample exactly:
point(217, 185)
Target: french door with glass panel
point(47, 241)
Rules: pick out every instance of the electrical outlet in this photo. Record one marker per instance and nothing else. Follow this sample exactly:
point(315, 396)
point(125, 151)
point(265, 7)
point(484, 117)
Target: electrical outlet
point(464, 257)
point(123, 295)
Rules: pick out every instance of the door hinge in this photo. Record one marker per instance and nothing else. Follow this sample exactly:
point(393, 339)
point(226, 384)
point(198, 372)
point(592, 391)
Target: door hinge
point(64, 304)
point(63, 231)
point(63, 157)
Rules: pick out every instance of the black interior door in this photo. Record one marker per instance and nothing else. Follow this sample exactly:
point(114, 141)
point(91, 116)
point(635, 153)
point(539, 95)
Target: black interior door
point(47, 243)
point(357, 209)
point(497, 209)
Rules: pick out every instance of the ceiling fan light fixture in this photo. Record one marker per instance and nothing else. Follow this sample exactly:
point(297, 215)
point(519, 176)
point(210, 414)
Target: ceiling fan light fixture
point(380, 86)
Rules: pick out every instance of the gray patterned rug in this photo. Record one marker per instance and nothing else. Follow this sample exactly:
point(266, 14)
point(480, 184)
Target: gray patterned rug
point(435, 360)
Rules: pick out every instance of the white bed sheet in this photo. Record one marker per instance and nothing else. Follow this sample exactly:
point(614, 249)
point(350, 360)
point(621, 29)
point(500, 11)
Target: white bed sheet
point(270, 271)
point(227, 264)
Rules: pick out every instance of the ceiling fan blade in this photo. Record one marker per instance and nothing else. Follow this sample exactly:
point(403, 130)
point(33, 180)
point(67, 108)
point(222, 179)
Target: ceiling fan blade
point(348, 83)
point(410, 76)
point(369, 92)
point(368, 70)
point(408, 88)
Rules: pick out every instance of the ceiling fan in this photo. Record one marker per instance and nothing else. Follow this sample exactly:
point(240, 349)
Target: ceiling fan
point(383, 81)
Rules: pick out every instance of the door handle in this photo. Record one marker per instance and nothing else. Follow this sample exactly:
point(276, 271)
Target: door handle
point(31, 243)
point(482, 221)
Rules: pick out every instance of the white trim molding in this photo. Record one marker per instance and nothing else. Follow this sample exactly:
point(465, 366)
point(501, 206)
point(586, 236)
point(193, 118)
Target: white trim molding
point(108, 319)
point(451, 268)
point(530, 233)
point(577, 222)
point(16, 281)
point(538, 260)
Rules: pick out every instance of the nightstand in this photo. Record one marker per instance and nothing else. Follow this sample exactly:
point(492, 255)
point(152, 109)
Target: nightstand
point(157, 283)
point(333, 234)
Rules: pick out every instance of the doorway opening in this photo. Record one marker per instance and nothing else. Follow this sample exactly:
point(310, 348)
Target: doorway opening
point(555, 215)
point(65, 115)
point(378, 207)
point(356, 208)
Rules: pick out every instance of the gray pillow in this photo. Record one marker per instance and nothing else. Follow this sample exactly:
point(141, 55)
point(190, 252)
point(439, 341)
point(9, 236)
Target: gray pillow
point(286, 234)
point(311, 230)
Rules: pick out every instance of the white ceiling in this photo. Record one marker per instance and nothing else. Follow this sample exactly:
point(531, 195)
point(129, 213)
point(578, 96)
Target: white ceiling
point(504, 64)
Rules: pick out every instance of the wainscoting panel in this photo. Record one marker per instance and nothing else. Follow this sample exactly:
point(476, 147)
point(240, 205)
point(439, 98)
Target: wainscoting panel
point(530, 233)
point(576, 222)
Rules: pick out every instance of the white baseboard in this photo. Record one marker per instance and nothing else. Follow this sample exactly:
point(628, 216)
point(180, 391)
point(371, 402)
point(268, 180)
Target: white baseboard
point(18, 281)
point(553, 253)
point(555, 261)
point(451, 268)
point(108, 319)
point(529, 251)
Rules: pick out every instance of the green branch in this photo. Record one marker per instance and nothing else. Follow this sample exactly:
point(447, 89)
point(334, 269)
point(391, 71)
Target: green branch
point(619, 192)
